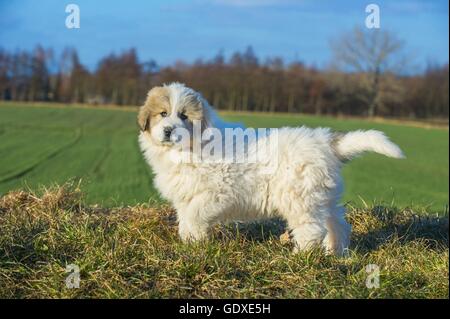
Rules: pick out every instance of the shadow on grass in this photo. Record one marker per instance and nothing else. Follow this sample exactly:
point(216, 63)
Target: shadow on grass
point(379, 225)
point(256, 231)
point(371, 228)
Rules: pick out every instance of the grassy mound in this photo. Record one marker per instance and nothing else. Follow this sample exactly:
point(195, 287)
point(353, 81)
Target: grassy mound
point(135, 252)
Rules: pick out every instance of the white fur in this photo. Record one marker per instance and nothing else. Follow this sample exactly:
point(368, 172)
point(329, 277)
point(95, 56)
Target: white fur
point(353, 143)
point(304, 189)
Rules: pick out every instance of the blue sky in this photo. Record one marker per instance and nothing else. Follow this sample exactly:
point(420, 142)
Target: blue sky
point(170, 30)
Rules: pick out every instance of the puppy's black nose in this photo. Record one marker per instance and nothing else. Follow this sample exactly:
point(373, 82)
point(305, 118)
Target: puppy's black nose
point(167, 132)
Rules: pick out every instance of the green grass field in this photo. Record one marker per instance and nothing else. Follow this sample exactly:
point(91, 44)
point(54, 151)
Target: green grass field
point(45, 145)
point(134, 251)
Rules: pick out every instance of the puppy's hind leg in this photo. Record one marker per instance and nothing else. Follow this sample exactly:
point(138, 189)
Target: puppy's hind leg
point(306, 214)
point(307, 229)
point(337, 239)
point(308, 235)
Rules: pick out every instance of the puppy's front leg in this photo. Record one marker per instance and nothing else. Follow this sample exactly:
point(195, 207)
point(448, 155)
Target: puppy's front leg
point(190, 229)
point(192, 225)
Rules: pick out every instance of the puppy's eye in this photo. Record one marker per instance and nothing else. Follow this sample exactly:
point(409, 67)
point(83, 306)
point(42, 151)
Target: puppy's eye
point(163, 114)
point(183, 116)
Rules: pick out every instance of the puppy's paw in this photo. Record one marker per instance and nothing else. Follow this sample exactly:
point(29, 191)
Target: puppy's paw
point(285, 238)
point(191, 235)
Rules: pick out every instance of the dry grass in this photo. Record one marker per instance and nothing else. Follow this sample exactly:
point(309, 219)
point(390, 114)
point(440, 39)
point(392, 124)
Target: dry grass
point(134, 252)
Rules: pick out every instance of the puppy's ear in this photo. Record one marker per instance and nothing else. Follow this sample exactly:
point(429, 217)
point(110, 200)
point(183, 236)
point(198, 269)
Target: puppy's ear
point(143, 118)
point(207, 113)
point(144, 112)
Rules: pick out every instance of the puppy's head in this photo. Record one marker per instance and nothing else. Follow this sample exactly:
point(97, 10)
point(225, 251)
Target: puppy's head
point(170, 109)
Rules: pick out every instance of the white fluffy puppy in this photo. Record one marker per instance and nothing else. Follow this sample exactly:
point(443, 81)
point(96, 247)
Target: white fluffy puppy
point(303, 187)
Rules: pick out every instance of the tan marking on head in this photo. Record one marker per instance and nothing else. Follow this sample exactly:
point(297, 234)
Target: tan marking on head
point(156, 103)
point(192, 107)
point(190, 103)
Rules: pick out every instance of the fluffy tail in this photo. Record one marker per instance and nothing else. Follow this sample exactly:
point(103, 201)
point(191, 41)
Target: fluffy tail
point(354, 143)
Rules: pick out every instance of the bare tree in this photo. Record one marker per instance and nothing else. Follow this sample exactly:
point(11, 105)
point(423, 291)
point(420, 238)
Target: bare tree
point(241, 82)
point(372, 52)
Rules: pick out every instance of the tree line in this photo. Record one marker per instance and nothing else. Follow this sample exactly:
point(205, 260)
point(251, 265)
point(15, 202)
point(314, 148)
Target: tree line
point(241, 82)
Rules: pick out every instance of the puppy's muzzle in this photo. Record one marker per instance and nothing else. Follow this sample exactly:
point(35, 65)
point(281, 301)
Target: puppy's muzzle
point(167, 133)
